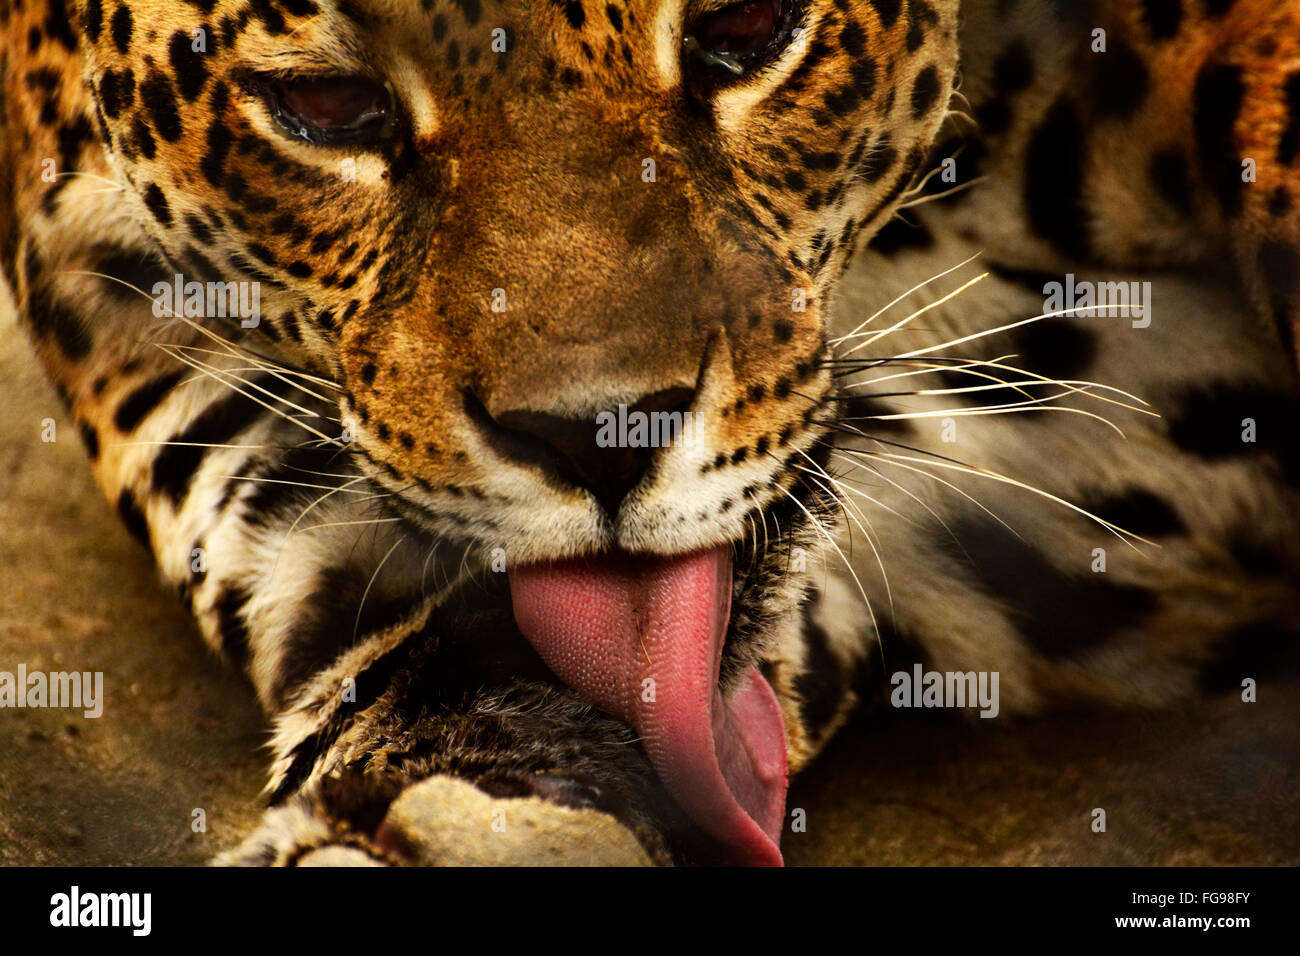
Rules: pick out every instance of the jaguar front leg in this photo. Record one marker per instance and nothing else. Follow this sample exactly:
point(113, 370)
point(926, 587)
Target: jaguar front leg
point(435, 740)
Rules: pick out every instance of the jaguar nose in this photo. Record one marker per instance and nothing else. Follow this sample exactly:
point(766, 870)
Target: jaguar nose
point(607, 453)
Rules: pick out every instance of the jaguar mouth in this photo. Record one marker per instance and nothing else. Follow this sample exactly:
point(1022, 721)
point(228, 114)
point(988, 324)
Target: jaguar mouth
point(672, 648)
point(642, 638)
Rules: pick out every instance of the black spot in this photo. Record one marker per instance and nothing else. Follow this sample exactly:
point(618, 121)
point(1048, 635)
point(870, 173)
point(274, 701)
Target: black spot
point(820, 685)
point(160, 100)
point(71, 137)
point(285, 224)
point(322, 242)
point(1060, 614)
point(1288, 146)
point(898, 235)
point(133, 517)
point(1171, 175)
point(472, 10)
point(52, 320)
point(1279, 266)
point(1054, 180)
point(143, 400)
point(58, 24)
point(853, 38)
point(573, 12)
point(198, 228)
point(279, 491)
point(888, 11)
point(1133, 509)
point(134, 272)
point(89, 438)
point(43, 79)
point(827, 161)
point(157, 204)
point(49, 114)
point(877, 161)
point(143, 139)
point(1162, 17)
point(1013, 70)
point(261, 252)
point(94, 19)
point(120, 26)
point(213, 162)
point(863, 74)
point(1217, 104)
point(1280, 203)
point(272, 19)
point(338, 612)
point(798, 79)
point(1256, 556)
point(843, 101)
point(863, 413)
point(925, 92)
point(968, 155)
point(993, 116)
point(1206, 421)
point(223, 420)
point(190, 70)
point(915, 37)
point(1259, 651)
point(1120, 81)
point(116, 92)
point(1056, 348)
point(232, 626)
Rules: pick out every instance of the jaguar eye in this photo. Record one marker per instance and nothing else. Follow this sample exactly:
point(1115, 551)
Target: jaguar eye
point(334, 109)
point(740, 32)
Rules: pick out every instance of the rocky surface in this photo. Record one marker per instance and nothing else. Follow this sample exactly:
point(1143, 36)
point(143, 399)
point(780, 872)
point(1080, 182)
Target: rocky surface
point(448, 822)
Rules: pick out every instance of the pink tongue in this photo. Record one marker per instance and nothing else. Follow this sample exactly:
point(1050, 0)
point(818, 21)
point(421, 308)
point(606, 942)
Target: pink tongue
point(641, 638)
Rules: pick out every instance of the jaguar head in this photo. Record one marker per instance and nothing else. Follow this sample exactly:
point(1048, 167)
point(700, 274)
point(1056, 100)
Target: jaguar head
point(569, 263)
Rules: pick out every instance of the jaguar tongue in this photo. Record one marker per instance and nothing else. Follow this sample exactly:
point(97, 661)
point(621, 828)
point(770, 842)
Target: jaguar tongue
point(641, 638)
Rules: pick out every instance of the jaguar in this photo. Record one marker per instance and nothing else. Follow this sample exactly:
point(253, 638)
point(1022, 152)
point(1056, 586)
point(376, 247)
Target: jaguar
point(456, 235)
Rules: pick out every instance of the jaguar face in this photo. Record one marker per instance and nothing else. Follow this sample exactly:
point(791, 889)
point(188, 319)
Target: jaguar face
point(510, 232)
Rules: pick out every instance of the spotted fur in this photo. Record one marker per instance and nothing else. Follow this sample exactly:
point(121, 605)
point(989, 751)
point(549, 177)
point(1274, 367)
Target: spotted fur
point(332, 491)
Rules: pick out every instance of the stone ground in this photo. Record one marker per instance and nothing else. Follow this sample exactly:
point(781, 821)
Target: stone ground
point(1217, 783)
